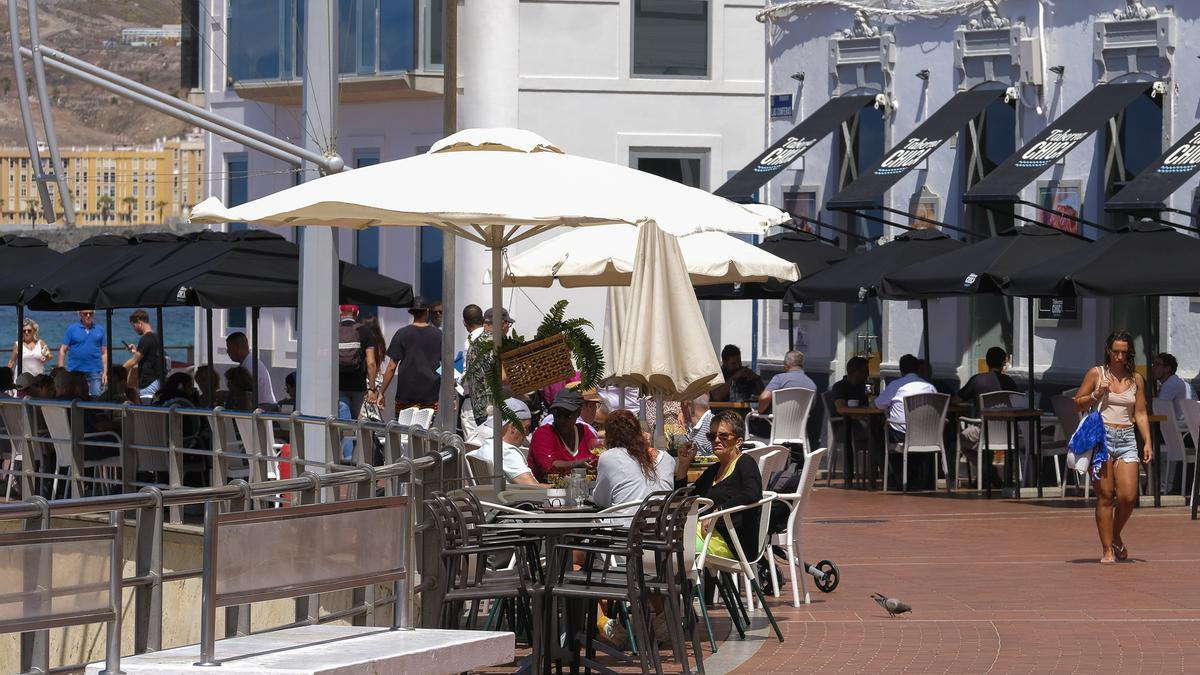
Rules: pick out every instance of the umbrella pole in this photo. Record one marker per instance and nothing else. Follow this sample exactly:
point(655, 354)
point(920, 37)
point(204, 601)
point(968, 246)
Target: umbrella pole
point(164, 362)
point(1029, 318)
point(208, 347)
point(925, 330)
point(660, 436)
point(791, 328)
point(108, 335)
point(497, 340)
point(20, 353)
point(254, 350)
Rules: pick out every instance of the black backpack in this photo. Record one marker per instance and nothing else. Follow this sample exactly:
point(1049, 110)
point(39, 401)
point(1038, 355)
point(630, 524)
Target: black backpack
point(351, 355)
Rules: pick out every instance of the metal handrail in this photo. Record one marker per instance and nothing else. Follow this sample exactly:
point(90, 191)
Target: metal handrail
point(415, 462)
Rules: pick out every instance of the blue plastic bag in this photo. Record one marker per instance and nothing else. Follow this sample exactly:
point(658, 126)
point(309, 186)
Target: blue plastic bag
point(1090, 437)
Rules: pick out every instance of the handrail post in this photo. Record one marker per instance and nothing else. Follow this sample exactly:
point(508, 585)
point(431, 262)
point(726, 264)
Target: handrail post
point(309, 606)
point(112, 636)
point(128, 457)
point(208, 588)
point(365, 595)
point(35, 645)
point(147, 635)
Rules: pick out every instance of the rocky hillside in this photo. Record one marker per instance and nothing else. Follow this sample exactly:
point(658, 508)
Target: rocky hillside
point(83, 114)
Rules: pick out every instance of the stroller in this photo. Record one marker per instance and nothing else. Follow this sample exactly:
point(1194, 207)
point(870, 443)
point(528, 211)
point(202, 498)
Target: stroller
point(825, 573)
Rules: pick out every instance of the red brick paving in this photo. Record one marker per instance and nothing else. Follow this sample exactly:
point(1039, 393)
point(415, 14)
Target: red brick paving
point(996, 586)
point(999, 586)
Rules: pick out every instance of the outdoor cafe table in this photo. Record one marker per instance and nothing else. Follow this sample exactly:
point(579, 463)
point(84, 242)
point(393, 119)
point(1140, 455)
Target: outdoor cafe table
point(1013, 417)
point(871, 417)
point(551, 527)
point(729, 405)
point(1156, 463)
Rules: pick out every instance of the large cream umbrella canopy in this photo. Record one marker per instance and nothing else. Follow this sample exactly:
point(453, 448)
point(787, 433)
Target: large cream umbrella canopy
point(495, 187)
point(664, 345)
point(604, 256)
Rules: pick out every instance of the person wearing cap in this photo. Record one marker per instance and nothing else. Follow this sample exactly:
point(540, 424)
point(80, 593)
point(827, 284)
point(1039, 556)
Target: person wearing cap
point(516, 469)
point(564, 445)
point(23, 384)
point(475, 386)
point(589, 414)
point(414, 358)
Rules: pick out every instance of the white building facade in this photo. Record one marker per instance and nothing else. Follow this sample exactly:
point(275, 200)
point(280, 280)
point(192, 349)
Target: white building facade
point(674, 87)
point(1046, 57)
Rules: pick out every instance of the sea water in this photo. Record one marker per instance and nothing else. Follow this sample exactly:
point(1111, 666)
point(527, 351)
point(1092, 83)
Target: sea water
point(177, 330)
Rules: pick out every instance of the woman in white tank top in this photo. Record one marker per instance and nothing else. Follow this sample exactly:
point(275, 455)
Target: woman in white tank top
point(34, 353)
point(1119, 393)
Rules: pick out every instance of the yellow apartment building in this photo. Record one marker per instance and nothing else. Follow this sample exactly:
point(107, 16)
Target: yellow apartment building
point(114, 186)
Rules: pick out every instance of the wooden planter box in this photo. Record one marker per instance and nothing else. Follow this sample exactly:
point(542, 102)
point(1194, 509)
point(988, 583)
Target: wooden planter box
point(538, 364)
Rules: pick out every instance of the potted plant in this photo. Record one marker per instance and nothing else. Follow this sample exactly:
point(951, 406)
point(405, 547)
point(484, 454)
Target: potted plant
point(559, 348)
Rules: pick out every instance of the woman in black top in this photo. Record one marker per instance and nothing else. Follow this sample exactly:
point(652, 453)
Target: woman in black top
point(733, 481)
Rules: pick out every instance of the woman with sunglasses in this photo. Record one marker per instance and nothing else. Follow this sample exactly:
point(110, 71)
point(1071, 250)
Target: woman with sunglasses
point(733, 480)
point(34, 352)
point(1118, 392)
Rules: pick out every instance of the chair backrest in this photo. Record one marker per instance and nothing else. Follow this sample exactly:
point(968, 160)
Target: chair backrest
point(924, 418)
point(772, 463)
point(58, 423)
point(1172, 436)
point(405, 416)
point(997, 431)
point(757, 450)
point(812, 460)
point(789, 409)
point(764, 525)
point(1067, 413)
point(16, 423)
point(258, 440)
point(827, 434)
point(150, 429)
point(422, 418)
point(1191, 416)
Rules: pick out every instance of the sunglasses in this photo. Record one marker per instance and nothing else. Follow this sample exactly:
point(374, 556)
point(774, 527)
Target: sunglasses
point(724, 437)
point(26, 330)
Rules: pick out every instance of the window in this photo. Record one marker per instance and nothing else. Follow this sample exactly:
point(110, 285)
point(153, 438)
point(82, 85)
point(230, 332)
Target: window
point(1133, 141)
point(689, 167)
point(366, 240)
point(433, 21)
point(670, 38)
point(861, 144)
point(237, 191)
point(266, 38)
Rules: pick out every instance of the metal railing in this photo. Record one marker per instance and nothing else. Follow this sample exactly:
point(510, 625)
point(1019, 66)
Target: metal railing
point(415, 462)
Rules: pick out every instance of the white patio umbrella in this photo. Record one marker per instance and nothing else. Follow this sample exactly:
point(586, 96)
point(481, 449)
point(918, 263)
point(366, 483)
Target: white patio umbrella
point(495, 187)
point(604, 256)
point(663, 344)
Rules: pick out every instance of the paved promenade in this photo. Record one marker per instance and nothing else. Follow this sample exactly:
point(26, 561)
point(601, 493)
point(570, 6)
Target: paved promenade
point(997, 587)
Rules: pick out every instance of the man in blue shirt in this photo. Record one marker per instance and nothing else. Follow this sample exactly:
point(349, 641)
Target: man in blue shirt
point(85, 350)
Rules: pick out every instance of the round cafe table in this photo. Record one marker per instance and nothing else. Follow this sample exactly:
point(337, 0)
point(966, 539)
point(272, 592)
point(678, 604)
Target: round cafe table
point(871, 417)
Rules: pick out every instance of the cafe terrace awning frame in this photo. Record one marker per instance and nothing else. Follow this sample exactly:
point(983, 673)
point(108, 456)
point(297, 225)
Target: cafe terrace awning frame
point(811, 130)
point(1003, 184)
point(1151, 188)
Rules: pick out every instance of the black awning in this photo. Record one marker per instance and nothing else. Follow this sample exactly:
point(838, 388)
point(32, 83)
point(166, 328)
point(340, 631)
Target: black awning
point(1057, 139)
point(1149, 190)
point(867, 190)
point(794, 143)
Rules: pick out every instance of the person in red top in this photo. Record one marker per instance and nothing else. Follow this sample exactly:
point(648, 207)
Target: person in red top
point(548, 449)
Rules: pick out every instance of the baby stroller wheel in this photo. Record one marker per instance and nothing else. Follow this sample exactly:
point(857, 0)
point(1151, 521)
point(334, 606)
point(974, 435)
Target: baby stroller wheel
point(828, 578)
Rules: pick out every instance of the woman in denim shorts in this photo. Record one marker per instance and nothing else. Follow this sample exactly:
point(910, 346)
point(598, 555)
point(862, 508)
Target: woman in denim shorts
point(1117, 391)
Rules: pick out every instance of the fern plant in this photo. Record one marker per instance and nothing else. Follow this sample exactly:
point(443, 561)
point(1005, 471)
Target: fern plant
point(587, 355)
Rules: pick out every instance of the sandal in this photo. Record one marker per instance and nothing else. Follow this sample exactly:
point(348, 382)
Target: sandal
point(1121, 552)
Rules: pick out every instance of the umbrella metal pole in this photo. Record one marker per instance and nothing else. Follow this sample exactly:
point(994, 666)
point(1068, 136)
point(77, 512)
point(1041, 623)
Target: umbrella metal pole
point(108, 335)
point(1029, 318)
point(162, 344)
point(20, 353)
point(925, 330)
point(497, 340)
point(254, 312)
point(791, 328)
point(208, 347)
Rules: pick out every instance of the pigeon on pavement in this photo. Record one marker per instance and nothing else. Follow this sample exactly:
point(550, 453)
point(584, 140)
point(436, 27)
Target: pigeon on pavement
point(893, 605)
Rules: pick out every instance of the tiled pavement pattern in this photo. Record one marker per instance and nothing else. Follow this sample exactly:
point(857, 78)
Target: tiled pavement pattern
point(997, 587)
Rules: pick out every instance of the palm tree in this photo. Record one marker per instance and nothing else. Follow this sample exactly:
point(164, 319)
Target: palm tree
point(105, 203)
point(129, 203)
point(160, 205)
point(35, 205)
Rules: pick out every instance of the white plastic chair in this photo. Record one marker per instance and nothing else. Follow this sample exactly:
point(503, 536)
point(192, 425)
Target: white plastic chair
point(1191, 416)
point(996, 438)
point(771, 463)
point(259, 442)
point(790, 539)
point(25, 454)
point(1068, 420)
point(924, 419)
point(1176, 451)
point(58, 425)
point(789, 415)
point(741, 563)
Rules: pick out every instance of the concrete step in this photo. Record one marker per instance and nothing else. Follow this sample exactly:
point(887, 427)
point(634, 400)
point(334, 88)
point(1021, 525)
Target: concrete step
point(314, 650)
